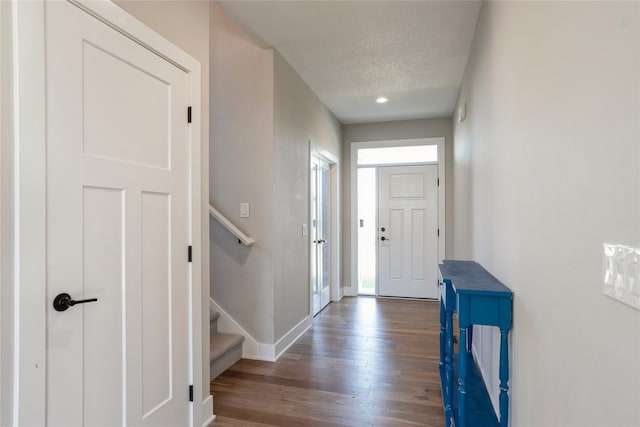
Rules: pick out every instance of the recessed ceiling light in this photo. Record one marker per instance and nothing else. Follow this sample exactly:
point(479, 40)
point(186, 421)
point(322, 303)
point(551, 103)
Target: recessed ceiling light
point(381, 100)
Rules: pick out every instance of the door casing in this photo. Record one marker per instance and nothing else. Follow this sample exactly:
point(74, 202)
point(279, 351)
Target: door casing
point(352, 290)
point(320, 152)
point(24, 374)
point(319, 251)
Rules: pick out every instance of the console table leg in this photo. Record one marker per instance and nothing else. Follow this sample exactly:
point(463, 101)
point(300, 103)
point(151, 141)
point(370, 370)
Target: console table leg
point(448, 398)
point(442, 330)
point(463, 355)
point(504, 378)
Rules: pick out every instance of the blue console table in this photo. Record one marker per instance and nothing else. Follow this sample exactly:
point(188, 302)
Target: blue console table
point(478, 298)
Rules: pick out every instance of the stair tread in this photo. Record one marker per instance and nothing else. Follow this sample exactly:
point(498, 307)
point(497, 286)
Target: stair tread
point(221, 343)
point(213, 315)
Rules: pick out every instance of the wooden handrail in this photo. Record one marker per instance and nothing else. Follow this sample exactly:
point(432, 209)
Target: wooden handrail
point(242, 238)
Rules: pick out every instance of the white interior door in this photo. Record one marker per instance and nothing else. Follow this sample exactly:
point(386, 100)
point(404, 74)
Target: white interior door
point(408, 231)
point(320, 231)
point(117, 227)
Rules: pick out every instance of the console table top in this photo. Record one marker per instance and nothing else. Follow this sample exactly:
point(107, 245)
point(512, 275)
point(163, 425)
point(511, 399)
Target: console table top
point(469, 277)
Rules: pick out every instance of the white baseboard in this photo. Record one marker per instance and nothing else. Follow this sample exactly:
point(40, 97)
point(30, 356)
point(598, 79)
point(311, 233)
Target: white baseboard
point(207, 411)
point(290, 337)
point(340, 295)
point(483, 374)
point(251, 348)
point(350, 291)
point(266, 352)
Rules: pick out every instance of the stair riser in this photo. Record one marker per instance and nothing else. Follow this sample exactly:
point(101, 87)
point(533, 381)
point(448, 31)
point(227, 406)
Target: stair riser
point(225, 349)
point(225, 360)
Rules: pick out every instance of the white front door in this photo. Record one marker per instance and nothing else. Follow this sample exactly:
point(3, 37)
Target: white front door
point(117, 228)
point(320, 231)
point(408, 231)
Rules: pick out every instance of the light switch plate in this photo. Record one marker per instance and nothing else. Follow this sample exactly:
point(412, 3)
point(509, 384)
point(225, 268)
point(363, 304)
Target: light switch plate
point(621, 273)
point(244, 210)
point(304, 230)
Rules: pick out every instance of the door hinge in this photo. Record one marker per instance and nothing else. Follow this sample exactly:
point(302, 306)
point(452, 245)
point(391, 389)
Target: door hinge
point(438, 182)
point(191, 393)
point(438, 235)
point(189, 114)
point(189, 252)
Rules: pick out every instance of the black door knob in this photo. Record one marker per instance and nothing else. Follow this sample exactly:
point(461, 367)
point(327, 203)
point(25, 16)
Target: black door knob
point(63, 301)
point(382, 229)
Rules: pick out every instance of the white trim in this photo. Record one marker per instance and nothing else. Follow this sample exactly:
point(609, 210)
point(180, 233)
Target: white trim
point(197, 338)
point(352, 290)
point(251, 348)
point(207, 416)
point(320, 152)
point(266, 353)
point(29, 206)
point(129, 26)
point(29, 210)
point(336, 229)
point(475, 352)
point(349, 291)
point(292, 336)
point(227, 324)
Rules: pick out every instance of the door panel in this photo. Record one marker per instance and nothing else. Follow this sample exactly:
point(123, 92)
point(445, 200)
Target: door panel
point(418, 221)
point(156, 294)
point(395, 245)
point(103, 231)
point(147, 138)
point(118, 224)
point(408, 246)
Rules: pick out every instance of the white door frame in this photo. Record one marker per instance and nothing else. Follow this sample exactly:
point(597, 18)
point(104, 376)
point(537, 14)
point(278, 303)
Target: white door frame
point(23, 376)
point(355, 146)
point(318, 151)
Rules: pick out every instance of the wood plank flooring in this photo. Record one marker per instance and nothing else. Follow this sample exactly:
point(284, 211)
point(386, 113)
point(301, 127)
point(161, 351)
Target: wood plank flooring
point(365, 362)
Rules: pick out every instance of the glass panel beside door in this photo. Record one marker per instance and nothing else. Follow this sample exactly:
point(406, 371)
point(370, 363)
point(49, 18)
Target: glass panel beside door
point(367, 235)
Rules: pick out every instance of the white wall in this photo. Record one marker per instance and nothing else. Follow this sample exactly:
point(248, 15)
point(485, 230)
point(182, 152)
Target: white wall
point(385, 131)
point(262, 117)
point(546, 170)
point(186, 24)
point(241, 171)
point(299, 117)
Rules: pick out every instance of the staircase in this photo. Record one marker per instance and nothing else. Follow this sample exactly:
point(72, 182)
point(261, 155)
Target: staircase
point(225, 349)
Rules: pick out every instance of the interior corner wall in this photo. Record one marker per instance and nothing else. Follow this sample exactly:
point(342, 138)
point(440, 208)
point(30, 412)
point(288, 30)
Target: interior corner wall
point(6, 216)
point(186, 24)
point(546, 171)
point(241, 164)
point(299, 116)
point(385, 131)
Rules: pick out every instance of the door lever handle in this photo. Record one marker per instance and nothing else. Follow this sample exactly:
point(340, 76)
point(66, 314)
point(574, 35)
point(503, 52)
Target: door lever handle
point(384, 239)
point(63, 301)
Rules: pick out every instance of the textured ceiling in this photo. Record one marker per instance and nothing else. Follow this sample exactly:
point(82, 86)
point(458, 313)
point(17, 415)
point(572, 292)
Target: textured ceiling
point(351, 52)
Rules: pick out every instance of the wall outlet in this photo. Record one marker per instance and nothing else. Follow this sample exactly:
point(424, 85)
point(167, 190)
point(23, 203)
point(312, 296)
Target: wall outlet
point(621, 273)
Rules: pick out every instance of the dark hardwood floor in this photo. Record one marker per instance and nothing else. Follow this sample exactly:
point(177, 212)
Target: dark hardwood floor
point(365, 362)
